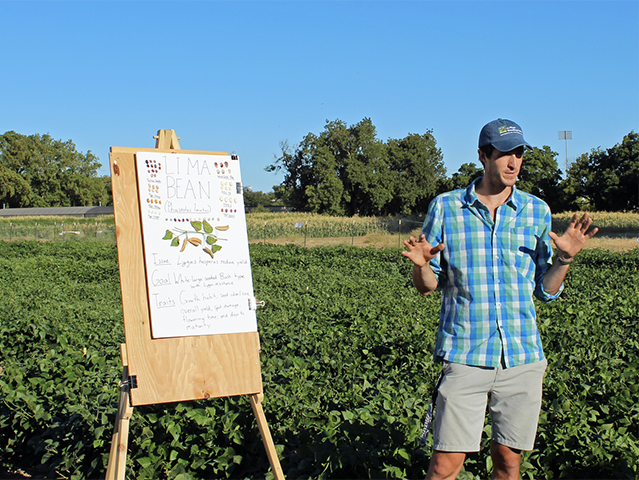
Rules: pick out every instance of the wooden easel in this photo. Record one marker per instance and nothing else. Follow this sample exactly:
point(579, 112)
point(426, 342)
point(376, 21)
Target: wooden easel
point(170, 369)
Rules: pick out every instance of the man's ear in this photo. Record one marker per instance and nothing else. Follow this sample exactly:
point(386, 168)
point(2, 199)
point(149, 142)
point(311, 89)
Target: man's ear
point(482, 157)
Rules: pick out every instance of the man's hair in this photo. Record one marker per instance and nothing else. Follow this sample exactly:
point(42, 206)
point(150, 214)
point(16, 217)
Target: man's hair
point(487, 149)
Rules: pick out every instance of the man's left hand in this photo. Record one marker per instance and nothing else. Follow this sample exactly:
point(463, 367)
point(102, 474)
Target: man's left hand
point(575, 236)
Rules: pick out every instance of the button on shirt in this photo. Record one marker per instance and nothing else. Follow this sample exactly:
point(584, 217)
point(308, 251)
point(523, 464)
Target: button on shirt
point(488, 273)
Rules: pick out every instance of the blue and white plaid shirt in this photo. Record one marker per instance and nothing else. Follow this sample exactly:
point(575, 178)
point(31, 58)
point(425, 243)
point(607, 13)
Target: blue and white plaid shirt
point(488, 273)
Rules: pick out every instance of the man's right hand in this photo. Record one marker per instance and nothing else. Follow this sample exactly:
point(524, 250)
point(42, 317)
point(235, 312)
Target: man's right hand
point(420, 252)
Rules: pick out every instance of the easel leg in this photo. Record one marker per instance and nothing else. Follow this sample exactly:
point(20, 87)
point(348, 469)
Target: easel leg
point(117, 457)
point(256, 403)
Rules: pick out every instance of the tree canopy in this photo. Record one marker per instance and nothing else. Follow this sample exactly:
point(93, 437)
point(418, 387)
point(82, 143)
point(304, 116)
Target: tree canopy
point(606, 180)
point(38, 171)
point(541, 176)
point(343, 170)
point(465, 176)
point(349, 171)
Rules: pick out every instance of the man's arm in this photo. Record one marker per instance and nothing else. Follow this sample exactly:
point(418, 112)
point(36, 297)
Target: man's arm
point(568, 245)
point(421, 252)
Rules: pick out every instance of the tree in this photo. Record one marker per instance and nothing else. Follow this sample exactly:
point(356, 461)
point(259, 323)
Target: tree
point(465, 175)
point(14, 190)
point(259, 198)
point(38, 171)
point(418, 170)
point(606, 180)
point(349, 171)
point(540, 176)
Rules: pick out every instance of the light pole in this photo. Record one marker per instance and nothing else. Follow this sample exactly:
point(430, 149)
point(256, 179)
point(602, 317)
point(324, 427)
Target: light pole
point(566, 135)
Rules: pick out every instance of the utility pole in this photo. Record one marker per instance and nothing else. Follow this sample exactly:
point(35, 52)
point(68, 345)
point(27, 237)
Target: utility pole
point(566, 135)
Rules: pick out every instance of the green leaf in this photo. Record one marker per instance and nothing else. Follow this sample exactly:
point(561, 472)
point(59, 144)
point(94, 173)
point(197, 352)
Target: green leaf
point(211, 240)
point(196, 225)
point(168, 235)
point(215, 248)
point(175, 242)
point(207, 227)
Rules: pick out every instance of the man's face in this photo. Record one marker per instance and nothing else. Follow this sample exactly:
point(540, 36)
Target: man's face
point(502, 168)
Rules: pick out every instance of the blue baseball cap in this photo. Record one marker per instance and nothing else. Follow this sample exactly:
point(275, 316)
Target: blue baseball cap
point(502, 134)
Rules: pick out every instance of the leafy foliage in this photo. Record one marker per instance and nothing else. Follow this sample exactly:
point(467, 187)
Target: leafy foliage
point(38, 171)
point(606, 179)
point(59, 319)
point(348, 171)
point(464, 176)
point(540, 175)
point(346, 362)
point(260, 199)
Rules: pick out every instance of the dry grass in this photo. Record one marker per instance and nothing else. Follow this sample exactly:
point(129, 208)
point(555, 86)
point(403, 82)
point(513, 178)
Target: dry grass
point(381, 240)
point(619, 244)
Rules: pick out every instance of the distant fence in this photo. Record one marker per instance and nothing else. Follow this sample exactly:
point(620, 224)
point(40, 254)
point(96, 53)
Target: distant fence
point(57, 223)
point(54, 230)
point(298, 229)
point(84, 212)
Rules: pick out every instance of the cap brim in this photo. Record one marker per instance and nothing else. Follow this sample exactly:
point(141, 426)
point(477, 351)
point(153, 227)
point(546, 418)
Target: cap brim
point(507, 145)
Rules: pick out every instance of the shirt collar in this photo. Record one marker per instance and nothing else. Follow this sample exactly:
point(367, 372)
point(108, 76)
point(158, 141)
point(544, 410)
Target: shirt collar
point(515, 201)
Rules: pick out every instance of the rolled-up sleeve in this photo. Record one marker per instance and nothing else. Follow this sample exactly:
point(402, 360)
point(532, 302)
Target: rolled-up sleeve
point(432, 230)
point(544, 261)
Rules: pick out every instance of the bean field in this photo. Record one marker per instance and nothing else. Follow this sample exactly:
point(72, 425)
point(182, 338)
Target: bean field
point(346, 363)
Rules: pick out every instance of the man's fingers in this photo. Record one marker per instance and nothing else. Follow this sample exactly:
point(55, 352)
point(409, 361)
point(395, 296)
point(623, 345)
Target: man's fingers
point(574, 220)
point(592, 233)
point(587, 224)
point(435, 250)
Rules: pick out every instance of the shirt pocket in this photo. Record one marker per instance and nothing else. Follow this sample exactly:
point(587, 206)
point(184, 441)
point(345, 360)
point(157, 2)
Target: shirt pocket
point(520, 248)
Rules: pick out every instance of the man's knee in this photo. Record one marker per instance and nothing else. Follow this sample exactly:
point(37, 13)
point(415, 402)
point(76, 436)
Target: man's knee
point(506, 460)
point(445, 465)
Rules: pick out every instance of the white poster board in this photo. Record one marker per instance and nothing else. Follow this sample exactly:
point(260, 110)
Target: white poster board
point(198, 269)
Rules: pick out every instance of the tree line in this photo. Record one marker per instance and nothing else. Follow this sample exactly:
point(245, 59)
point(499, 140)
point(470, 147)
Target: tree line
point(347, 170)
point(343, 170)
point(39, 171)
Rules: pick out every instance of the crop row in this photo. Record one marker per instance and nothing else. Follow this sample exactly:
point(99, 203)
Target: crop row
point(270, 226)
point(346, 364)
point(58, 228)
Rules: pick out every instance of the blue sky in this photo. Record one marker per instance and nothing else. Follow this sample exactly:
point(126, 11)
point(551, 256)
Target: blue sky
point(243, 76)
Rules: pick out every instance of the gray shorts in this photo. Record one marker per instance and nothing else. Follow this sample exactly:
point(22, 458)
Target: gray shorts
point(515, 403)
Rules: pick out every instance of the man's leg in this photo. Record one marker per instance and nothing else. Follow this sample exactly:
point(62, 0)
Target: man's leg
point(515, 403)
point(505, 461)
point(445, 465)
point(459, 417)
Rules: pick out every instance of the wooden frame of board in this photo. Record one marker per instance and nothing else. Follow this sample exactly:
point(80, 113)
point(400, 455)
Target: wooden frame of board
point(165, 370)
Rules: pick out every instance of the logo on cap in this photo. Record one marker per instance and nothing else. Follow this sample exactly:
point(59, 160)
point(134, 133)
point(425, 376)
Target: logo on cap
point(503, 130)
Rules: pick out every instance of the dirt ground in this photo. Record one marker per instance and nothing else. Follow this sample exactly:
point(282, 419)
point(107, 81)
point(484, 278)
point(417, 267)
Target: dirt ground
point(615, 244)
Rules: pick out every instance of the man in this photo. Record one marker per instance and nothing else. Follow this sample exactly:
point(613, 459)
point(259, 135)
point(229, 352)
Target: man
point(487, 249)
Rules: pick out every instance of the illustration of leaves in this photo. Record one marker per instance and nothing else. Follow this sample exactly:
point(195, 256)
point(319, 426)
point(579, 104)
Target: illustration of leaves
point(197, 225)
point(222, 228)
point(207, 227)
point(175, 242)
point(215, 248)
point(168, 235)
point(211, 240)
